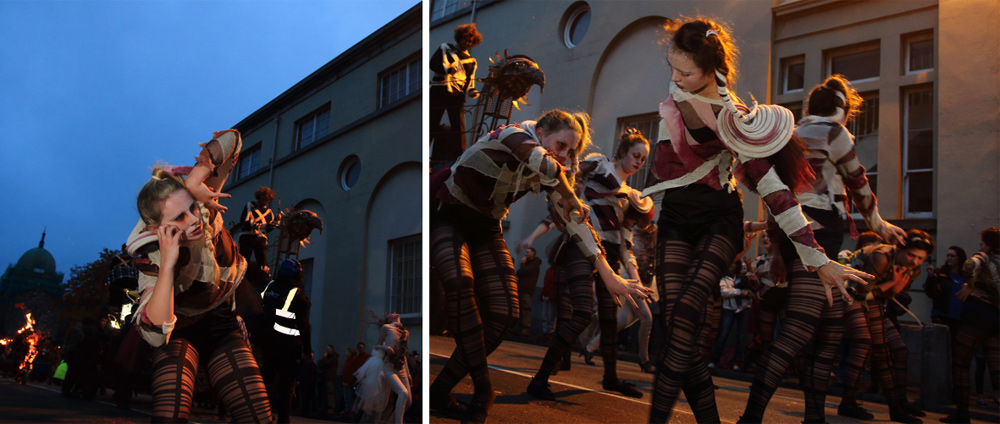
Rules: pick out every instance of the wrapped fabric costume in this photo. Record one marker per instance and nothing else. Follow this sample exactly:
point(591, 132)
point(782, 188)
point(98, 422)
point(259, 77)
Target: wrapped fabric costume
point(468, 252)
point(453, 81)
point(610, 199)
point(980, 326)
point(205, 330)
point(700, 231)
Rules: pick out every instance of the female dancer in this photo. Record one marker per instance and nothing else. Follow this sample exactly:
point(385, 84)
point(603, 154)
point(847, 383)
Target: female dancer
point(468, 252)
point(186, 310)
point(894, 267)
point(831, 152)
point(980, 321)
point(385, 371)
point(700, 224)
point(613, 203)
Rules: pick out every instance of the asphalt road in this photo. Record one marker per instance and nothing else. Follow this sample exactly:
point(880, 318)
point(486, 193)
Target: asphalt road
point(580, 399)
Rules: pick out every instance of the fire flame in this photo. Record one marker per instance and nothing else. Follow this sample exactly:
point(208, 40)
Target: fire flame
point(31, 339)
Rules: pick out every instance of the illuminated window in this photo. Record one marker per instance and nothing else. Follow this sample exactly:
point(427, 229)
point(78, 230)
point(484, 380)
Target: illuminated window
point(793, 74)
point(919, 53)
point(857, 63)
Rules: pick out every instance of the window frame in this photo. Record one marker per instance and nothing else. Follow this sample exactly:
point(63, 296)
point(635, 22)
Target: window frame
point(245, 156)
point(404, 68)
point(905, 170)
point(312, 117)
point(786, 64)
point(392, 299)
point(908, 41)
point(576, 12)
point(874, 45)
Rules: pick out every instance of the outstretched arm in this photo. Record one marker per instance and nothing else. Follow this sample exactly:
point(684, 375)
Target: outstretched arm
point(213, 165)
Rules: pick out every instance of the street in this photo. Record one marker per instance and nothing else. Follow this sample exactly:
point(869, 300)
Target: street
point(42, 403)
point(579, 398)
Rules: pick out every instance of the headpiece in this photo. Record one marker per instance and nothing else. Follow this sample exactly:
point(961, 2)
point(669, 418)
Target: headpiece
point(756, 132)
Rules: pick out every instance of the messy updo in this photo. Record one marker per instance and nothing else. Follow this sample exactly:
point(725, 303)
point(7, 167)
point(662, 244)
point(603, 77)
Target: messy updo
point(833, 94)
point(708, 43)
point(155, 192)
point(629, 139)
point(557, 120)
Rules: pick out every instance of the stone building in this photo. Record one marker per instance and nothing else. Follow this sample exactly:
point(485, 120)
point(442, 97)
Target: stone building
point(32, 285)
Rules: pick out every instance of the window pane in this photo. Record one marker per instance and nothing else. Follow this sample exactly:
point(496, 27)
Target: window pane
point(921, 55)
point(920, 192)
point(415, 77)
point(579, 28)
point(866, 122)
point(857, 66)
point(306, 133)
point(920, 111)
point(920, 150)
point(322, 124)
point(795, 76)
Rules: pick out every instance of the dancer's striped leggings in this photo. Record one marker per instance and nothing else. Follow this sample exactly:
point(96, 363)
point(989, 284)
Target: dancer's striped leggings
point(979, 327)
point(481, 301)
point(232, 371)
point(807, 318)
point(865, 325)
point(686, 277)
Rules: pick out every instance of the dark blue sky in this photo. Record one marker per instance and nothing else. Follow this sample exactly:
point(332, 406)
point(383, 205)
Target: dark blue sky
point(94, 93)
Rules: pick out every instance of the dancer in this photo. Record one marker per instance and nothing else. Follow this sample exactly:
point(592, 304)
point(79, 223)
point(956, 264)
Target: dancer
point(454, 80)
point(831, 152)
point(700, 224)
point(615, 206)
point(468, 252)
point(893, 268)
point(186, 310)
point(385, 372)
point(980, 321)
point(257, 221)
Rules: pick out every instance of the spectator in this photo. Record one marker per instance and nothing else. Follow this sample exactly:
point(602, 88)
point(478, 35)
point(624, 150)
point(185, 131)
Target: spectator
point(527, 279)
point(328, 365)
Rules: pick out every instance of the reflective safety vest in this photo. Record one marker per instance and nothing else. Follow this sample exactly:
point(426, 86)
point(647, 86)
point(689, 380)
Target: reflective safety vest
point(284, 320)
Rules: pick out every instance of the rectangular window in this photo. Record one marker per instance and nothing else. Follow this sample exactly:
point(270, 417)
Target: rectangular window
point(793, 74)
point(918, 153)
point(919, 53)
point(400, 81)
point(649, 126)
point(443, 8)
point(249, 162)
point(866, 122)
point(312, 127)
point(404, 276)
point(857, 63)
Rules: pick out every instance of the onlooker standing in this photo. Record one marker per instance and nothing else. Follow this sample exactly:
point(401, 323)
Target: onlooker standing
point(942, 285)
point(328, 365)
point(350, 366)
point(549, 299)
point(347, 380)
point(307, 385)
point(527, 279)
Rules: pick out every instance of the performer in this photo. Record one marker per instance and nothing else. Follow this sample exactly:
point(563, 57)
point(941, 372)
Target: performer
point(700, 224)
point(384, 373)
point(893, 268)
point(186, 309)
point(980, 321)
point(614, 204)
point(468, 251)
point(454, 80)
point(256, 222)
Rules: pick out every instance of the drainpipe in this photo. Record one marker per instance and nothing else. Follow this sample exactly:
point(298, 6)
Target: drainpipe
point(274, 153)
point(473, 19)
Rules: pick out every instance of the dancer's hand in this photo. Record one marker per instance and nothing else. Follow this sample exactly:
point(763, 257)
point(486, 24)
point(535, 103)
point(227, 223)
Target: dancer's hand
point(573, 204)
point(892, 234)
point(836, 275)
point(521, 245)
point(964, 292)
point(209, 198)
point(169, 238)
point(619, 286)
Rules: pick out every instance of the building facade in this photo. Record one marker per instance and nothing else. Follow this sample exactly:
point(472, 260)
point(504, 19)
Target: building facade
point(929, 135)
point(345, 143)
point(31, 286)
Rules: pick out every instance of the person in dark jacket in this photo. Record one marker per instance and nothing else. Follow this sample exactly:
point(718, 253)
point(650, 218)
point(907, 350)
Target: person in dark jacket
point(527, 279)
point(941, 286)
point(288, 342)
point(454, 80)
point(328, 367)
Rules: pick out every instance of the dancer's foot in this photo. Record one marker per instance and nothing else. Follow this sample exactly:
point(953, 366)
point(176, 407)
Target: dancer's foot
point(913, 409)
point(853, 410)
point(446, 404)
point(587, 356)
point(956, 418)
point(623, 387)
point(901, 416)
point(647, 367)
point(540, 389)
point(479, 410)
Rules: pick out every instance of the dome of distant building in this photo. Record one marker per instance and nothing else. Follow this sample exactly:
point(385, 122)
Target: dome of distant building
point(37, 259)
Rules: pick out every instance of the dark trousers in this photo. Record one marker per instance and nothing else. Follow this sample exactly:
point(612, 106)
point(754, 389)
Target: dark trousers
point(448, 145)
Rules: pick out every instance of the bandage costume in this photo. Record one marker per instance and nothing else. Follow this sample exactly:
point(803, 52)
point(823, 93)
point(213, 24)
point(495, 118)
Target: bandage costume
point(980, 327)
point(204, 331)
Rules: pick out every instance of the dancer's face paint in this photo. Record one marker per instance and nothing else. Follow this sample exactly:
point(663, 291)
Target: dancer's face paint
point(559, 143)
point(634, 159)
point(181, 210)
point(688, 77)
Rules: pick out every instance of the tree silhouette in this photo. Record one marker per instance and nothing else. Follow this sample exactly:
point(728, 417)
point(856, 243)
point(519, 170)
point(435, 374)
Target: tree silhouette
point(86, 292)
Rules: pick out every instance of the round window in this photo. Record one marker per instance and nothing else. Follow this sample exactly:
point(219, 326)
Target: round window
point(577, 23)
point(350, 171)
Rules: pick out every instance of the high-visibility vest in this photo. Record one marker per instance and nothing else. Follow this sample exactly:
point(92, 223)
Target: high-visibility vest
point(284, 320)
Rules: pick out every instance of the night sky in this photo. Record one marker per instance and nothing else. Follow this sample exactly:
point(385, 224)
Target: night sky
point(94, 93)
